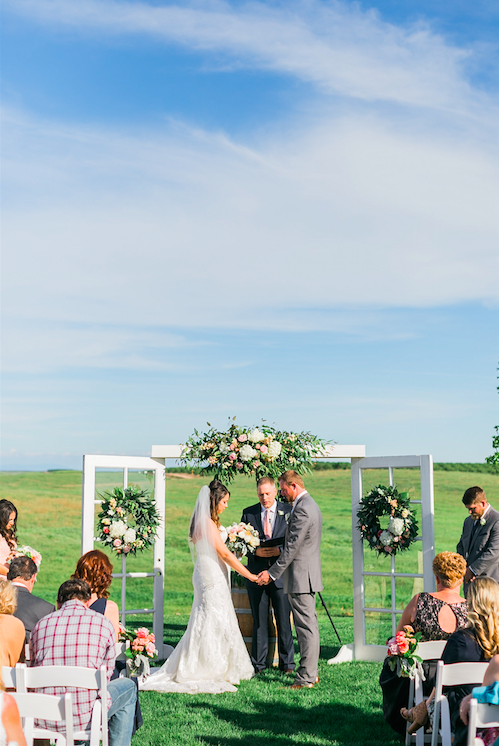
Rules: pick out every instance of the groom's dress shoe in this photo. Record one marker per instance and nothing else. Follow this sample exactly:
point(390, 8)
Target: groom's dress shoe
point(302, 686)
point(317, 679)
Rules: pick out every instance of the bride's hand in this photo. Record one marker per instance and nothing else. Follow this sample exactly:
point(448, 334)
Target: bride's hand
point(253, 578)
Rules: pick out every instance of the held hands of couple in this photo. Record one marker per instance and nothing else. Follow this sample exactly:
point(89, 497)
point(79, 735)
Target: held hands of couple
point(264, 578)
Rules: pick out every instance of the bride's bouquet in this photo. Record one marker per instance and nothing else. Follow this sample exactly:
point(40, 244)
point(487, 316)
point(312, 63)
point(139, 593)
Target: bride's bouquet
point(242, 538)
point(26, 551)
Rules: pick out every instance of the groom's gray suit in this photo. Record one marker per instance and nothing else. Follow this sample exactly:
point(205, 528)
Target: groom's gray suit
point(300, 566)
point(480, 546)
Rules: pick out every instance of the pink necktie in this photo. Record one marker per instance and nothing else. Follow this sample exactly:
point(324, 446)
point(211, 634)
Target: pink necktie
point(267, 527)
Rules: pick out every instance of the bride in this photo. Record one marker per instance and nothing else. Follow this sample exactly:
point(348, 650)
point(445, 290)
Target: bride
point(211, 656)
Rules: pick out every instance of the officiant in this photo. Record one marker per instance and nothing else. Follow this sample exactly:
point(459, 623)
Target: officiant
point(270, 518)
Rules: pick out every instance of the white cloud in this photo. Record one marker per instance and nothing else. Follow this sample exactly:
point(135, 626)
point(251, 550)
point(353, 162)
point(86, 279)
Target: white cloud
point(333, 45)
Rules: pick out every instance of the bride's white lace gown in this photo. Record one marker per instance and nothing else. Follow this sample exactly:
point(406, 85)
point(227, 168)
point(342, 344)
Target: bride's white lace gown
point(211, 656)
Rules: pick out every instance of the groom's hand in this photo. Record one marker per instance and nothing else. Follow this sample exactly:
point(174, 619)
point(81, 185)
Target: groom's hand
point(264, 578)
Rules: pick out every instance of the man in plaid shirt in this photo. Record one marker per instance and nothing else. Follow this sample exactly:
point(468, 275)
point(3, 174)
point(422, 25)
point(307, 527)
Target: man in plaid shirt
point(74, 635)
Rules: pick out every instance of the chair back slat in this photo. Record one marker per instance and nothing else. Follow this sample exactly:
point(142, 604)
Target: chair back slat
point(431, 650)
point(457, 674)
point(9, 677)
point(32, 705)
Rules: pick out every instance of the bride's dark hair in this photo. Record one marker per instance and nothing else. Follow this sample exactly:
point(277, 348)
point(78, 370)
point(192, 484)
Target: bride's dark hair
point(217, 492)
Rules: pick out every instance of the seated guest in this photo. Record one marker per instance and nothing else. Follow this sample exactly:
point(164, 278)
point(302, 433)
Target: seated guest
point(436, 615)
point(11, 731)
point(12, 633)
point(479, 641)
point(76, 636)
point(95, 568)
point(30, 608)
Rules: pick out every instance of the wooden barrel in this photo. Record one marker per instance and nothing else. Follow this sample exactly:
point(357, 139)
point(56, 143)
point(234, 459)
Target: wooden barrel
point(242, 608)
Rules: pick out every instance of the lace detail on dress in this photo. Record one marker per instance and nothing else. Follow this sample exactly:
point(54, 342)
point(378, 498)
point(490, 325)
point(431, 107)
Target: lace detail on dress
point(426, 618)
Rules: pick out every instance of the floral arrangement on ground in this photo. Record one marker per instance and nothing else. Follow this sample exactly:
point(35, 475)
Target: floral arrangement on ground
point(141, 647)
point(401, 529)
point(128, 520)
point(402, 653)
point(255, 451)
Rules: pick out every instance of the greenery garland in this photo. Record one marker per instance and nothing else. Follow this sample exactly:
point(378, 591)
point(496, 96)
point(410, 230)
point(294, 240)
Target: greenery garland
point(399, 532)
point(128, 520)
point(255, 451)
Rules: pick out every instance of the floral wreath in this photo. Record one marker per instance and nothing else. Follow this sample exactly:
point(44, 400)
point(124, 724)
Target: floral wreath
point(402, 528)
point(255, 451)
point(128, 520)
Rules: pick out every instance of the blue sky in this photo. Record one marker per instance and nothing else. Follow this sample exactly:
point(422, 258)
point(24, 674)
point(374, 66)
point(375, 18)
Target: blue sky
point(278, 210)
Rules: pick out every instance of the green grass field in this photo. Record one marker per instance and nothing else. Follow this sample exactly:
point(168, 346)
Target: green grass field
point(346, 707)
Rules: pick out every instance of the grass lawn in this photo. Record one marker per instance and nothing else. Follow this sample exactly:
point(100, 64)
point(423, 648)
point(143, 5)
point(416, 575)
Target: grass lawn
point(346, 707)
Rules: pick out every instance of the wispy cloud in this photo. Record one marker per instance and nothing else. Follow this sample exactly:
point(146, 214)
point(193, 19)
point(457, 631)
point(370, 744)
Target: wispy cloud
point(334, 45)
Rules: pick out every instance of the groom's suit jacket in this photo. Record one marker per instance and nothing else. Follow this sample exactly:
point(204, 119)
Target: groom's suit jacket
point(480, 548)
point(300, 562)
point(253, 516)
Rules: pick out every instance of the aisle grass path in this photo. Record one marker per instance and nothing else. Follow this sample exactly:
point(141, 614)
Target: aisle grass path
point(345, 708)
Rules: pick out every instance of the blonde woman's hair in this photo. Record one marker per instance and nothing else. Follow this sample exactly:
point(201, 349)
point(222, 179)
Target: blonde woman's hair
point(449, 568)
point(8, 597)
point(483, 613)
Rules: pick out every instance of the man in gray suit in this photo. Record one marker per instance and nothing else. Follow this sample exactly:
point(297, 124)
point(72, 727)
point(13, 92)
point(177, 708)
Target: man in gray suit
point(300, 566)
point(30, 608)
point(479, 542)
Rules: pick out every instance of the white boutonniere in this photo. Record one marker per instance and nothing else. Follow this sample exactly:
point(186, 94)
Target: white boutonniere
point(483, 521)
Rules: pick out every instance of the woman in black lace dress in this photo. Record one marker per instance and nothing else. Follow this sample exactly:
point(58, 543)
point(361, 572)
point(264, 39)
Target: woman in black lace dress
point(436, 615)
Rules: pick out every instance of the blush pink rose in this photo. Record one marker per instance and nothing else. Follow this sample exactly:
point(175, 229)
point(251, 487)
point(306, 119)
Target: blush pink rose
point(117, 543)
point(264, 449)
point(150, 649)
point(239, 465)
point(242, 438)
point(403, 646)
point(142, 632)
point(137, 645)
point(232, 456)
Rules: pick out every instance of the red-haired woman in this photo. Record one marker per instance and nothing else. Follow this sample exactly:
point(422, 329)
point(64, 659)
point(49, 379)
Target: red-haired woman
point(96, 569)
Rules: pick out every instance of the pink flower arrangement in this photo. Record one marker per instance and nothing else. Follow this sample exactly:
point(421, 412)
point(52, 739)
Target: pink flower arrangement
point(402, 653)
point(141, 642)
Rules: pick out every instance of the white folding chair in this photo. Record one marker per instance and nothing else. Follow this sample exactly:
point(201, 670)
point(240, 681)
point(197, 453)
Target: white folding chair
point(74, 676)
point(427, 651)
point(48, 707)
point(481, 715)
point(453, 674)
point(9, 677)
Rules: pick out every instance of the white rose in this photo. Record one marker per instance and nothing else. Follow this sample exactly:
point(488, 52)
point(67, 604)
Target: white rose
point(129, 536)
point(396, 526)
point(224, 448)
point(256, 436)
point(386, 538)
point(275, 449)
point(117, 529)
point(405, 513)
point(246, 452)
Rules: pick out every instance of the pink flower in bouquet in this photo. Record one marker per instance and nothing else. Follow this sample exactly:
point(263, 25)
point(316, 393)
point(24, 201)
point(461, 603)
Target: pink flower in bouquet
point(137, 645)
point(264, 449)
point(239, 465)
point(105, 530)
point(126, 549)
point(152, 637)
point(408, 629)
point(403, 646)
point(150, 649)
point(393, 648)
point(142, 632)
point(117, 543)
point(387, 549)
point(242, 438)
point(232, 456)
point(257, 446)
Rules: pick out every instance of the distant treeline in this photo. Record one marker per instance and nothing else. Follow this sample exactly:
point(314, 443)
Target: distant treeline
point(325, 465)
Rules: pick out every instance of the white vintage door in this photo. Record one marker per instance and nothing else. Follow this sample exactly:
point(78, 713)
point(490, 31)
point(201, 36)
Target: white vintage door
point(122, 467)
point(372, 618)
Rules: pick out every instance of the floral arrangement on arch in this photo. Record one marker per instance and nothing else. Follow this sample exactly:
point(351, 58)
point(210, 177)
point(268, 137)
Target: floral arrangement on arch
point(128, 520)
point(255, 451)
point(399, 529)
point(402, 653)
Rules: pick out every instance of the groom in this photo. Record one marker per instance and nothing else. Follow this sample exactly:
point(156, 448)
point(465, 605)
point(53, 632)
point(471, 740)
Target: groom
point(300, 566)
point(270, 518)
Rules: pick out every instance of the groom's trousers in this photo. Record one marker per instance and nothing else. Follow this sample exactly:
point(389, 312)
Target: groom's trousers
point(307, 632)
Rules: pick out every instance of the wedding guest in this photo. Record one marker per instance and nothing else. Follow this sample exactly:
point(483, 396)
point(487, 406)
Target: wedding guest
point(8, 538)
point(436, 615)
point(479, 641)
point(12, 631)
point(76, 636)
point(300, 566)
point(11, 731)
point(270, 518)
point(479, 542)
point(30, 608)
point(96, 569)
